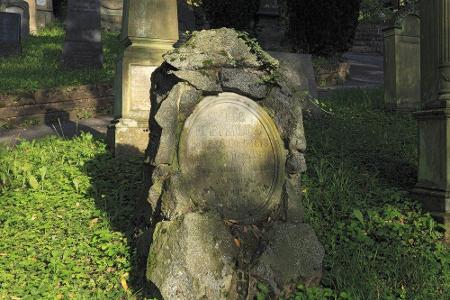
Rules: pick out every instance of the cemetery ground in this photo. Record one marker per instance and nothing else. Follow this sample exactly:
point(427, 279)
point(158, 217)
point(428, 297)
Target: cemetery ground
point(38, 66)
point(68, 218)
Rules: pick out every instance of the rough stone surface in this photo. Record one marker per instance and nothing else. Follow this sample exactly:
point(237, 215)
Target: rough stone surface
point(193, 257)
point(206, 81)
point(213, 48)
point(245, 82)
point(293, 255)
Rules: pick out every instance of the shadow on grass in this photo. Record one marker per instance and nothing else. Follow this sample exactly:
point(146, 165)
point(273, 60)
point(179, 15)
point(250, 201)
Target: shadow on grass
point(120, 188)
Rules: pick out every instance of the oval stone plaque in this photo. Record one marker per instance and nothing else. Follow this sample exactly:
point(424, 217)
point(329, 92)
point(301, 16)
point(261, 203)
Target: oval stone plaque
point(231, 158)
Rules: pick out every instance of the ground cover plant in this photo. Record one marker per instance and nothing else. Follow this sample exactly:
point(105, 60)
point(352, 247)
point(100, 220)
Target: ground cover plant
point(38, 66)
point(68, 217)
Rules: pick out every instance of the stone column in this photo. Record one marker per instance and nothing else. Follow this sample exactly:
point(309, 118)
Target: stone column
point(433, 184)
point(149, 29)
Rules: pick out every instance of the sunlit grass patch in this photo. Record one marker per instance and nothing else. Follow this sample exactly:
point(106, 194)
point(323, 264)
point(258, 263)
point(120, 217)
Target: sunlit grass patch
point(39, 65)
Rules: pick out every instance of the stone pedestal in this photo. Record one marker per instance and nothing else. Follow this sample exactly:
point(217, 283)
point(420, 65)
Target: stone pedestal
point(149, 30)
point(433, 185)
point(44, 13)
point(402, 65)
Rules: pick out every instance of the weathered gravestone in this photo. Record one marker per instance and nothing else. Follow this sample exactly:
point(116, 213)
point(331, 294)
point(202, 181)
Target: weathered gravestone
point(44, 12)
point(9, 34)
point(402, 64)
point(111, 13)
point(227, 150)
point(18, 7)
point(149, 30)
point(83, 44)
point(433, 180)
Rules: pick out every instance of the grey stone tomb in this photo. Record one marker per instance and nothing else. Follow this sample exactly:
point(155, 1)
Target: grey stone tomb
point(9, 34)
point(83, 44)
point(227, 150)
point(18, 7)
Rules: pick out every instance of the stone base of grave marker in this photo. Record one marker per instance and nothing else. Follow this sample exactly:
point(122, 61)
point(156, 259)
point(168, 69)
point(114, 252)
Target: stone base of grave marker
point(227, 154)
point(432, 188)
point(145, 42)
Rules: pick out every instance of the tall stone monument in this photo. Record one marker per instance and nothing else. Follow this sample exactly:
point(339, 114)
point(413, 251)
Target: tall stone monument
point(227, 153)
point(83, 44)
point(149, 30)
point(433, 183)
point(44, 12)
point(402, 63)
point(22, 8)
point(9, 34)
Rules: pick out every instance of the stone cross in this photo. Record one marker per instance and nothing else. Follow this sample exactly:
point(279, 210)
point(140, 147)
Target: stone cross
point(83, 44)
point(149, 29)
point(433, 183)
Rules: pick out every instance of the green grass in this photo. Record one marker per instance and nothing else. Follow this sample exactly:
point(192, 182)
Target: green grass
point(66, 220)
point(67, 213)
point(39, 65)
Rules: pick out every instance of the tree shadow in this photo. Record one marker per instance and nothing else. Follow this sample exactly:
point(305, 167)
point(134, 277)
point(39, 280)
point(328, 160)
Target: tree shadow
point(119, 188)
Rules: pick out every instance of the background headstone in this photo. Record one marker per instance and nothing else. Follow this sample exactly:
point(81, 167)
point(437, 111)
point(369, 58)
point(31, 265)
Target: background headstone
point(402, 64)
point(111, 13)
point(149, 30)
point(298, 69)
point(269, 30)
point(9, 34)
point(83, 44)
point(44, 12)
point(19, 7)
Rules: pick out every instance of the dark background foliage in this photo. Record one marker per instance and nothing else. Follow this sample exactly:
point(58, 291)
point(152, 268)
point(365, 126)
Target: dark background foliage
point(237, 14)
point(59, 8)
point(323, 27)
